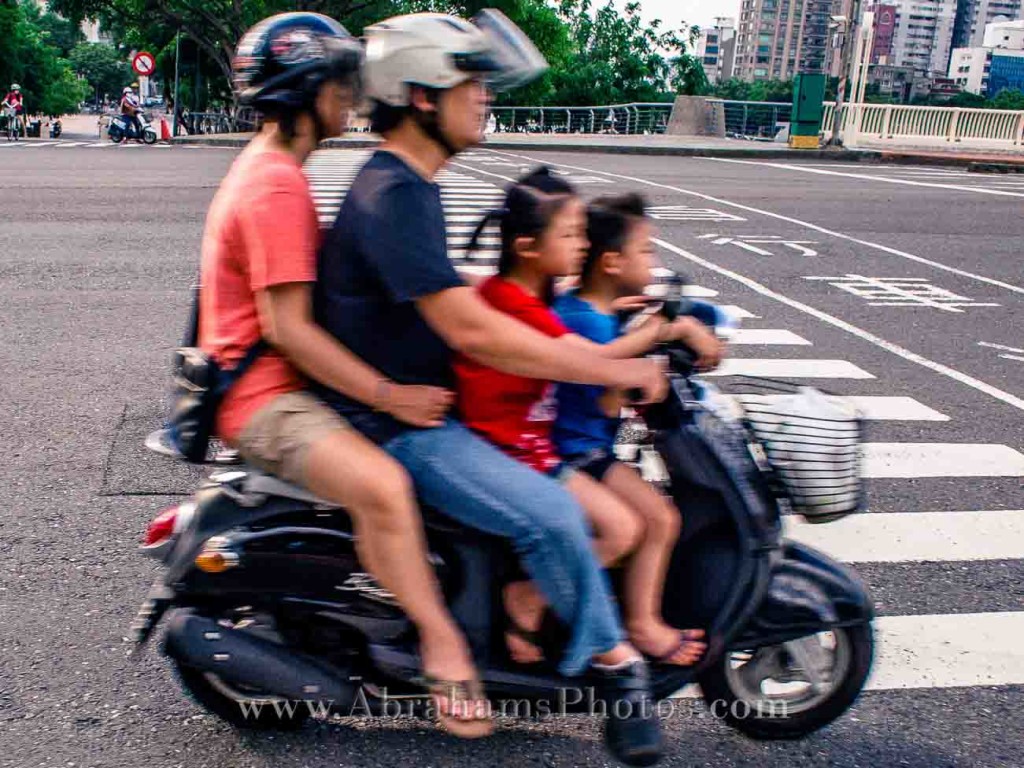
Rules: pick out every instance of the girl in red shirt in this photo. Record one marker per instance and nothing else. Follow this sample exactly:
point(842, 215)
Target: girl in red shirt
point(543, 234)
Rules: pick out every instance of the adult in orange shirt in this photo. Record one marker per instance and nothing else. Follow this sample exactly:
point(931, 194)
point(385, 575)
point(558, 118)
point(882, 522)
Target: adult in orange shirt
point(258, 269)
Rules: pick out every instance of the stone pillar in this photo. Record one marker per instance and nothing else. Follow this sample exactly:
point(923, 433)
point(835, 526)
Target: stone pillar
point(696, 116)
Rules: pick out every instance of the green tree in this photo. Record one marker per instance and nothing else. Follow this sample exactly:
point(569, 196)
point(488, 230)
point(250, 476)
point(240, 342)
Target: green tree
point(761, 90)
point(60, 33)
point(214, 25)
point(619, 59)
point(1008, 98)
point(28, 58)
point(103, 68)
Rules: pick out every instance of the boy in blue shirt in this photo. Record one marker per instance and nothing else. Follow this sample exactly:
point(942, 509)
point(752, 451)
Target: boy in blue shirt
point(618, 265)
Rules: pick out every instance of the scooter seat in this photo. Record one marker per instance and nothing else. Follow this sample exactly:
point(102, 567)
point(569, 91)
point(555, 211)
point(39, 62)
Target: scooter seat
point(257, 481)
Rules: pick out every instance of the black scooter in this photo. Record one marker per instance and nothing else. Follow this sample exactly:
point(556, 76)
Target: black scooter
point(271, 618)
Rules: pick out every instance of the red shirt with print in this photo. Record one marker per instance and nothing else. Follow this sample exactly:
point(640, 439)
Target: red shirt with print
point(513, 412)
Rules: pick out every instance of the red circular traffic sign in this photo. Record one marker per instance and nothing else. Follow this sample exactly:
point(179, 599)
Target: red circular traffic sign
point(144, 63)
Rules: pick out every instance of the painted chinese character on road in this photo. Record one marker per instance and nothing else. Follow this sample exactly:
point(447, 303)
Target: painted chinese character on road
point(902, 292)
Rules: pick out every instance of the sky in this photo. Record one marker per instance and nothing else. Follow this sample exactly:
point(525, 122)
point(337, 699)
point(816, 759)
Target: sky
point(701, 12)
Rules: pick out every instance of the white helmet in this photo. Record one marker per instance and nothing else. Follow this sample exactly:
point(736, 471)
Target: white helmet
point(15, 87)
point(440, 52)
point(127, 90)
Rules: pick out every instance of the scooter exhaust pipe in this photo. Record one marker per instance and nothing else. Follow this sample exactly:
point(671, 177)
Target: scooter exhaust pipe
point(242, 658)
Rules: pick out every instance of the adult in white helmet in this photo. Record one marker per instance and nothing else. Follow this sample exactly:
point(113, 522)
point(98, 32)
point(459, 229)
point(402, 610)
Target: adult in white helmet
point(130, 108)
point(387, 290)
point(16, 101)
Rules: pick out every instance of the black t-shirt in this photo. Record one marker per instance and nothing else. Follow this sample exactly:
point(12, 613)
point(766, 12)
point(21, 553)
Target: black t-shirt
point(386, 249)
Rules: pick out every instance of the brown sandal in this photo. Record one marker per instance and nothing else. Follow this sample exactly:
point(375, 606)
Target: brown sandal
point(466, 699)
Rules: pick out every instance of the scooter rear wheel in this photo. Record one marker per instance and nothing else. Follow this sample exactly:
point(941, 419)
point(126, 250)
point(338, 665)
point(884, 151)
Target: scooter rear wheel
point(768, 695)
point(241, 707)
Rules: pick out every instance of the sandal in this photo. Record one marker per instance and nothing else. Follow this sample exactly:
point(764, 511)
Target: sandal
point(686, 637)
point(465, 698)
point(533, 638)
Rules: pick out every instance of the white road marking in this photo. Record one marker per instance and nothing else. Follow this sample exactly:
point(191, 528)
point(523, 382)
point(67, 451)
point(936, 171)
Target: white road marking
point(1000, 346)
point(896, 460)
point(942, 651)
point(963, 378)
point(948, 651)
point(767, 336)
point(885, 537)
point(869, 177)
point(875, 408)
point(740, 313)
point(790, 369)
point(780, 217)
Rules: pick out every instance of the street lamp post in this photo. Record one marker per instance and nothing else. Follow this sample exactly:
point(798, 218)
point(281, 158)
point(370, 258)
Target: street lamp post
point(174, 117)
point(848, 25)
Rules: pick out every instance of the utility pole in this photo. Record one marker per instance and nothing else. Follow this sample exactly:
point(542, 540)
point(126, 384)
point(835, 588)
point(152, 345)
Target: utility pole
point(177, 51)
point(849, 27)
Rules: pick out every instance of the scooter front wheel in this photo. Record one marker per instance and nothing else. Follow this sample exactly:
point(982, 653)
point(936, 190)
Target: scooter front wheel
point(149, 136)
point(790, 690)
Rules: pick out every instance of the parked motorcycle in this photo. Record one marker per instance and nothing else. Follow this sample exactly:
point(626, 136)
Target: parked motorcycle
point(121, 129)
point(268, 610)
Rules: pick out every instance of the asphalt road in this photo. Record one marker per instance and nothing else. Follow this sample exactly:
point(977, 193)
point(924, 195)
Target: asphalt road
point(101, 244)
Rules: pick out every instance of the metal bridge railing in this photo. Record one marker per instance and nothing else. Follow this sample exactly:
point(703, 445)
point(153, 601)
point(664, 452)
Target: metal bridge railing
point(612, 119)
point(753, 120)
point(197, 123)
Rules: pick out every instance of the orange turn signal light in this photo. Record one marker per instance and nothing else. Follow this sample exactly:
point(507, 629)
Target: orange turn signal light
point(215, 560)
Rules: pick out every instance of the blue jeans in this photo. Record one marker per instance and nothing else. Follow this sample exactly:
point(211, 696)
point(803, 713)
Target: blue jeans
point(473, 482)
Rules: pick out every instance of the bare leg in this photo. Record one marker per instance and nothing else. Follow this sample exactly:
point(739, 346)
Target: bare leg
point(348, 469)
point(647, 569)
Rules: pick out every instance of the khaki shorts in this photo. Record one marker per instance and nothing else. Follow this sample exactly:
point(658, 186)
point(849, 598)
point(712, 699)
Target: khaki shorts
point(278, 437)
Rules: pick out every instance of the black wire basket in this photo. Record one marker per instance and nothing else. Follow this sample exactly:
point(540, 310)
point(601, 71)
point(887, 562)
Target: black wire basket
point(812, 445)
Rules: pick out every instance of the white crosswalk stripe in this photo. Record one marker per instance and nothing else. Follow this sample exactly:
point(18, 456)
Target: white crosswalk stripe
point(93, 144)
point(914, 651)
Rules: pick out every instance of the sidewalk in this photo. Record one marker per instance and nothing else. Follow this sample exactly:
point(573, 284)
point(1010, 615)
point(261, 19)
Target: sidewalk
point(679, 146)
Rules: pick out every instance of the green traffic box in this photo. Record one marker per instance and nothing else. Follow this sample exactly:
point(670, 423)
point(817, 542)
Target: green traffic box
point(808, 111)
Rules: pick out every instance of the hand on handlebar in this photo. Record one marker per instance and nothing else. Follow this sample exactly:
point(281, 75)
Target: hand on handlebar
point(707, 348)
point(644, 379)
point(631, 303)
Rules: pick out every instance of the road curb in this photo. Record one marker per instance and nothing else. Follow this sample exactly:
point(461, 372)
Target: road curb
point(605, 148)
point(872, 155)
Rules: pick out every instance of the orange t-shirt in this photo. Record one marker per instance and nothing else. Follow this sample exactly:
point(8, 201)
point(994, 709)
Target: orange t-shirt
point(261, 231)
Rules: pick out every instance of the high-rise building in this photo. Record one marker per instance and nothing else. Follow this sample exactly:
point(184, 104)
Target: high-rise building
point(923, 36)
point(973, 16)
point(777, 39)
point(885, 33)
point(716, 49)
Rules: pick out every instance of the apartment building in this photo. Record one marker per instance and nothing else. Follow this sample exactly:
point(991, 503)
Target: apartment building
point(777, 39)
point(716, 49)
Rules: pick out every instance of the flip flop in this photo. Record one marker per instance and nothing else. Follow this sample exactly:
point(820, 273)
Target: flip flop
point(465, 697)
point(686, 637)
point(532, 638)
